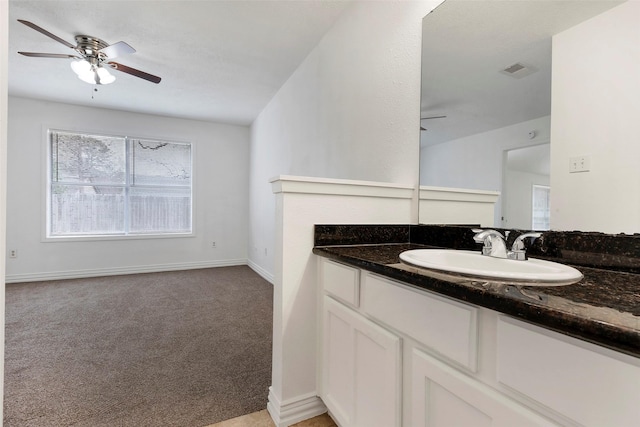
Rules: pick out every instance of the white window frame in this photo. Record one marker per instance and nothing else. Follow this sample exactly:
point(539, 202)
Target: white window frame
point(47, 163)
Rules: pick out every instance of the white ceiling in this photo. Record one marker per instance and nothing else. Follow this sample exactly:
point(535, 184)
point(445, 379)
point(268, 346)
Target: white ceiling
point(466, 43)
point(219, 60)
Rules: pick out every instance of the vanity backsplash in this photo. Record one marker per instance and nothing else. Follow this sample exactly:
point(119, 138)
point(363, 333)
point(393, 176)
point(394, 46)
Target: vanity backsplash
point(619, 252)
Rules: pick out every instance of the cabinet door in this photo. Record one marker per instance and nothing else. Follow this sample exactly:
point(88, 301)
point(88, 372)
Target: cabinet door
point(444, 397)
point(591, 385)
point(361, 369)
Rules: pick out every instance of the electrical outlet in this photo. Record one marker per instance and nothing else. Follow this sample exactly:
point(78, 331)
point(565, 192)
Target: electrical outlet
point(579, 164)
point(13, 253)
point(213, 244)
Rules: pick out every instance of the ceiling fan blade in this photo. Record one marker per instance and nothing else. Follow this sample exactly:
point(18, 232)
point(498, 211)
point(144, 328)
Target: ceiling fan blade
point(46, 33)
point(48, 55)
point(134, 72)
point(117, 49)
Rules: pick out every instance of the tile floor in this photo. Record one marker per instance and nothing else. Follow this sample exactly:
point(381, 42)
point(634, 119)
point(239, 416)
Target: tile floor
point(263, 419)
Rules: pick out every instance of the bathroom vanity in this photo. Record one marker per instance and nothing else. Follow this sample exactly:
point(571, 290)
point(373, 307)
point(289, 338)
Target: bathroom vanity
point(403, 346)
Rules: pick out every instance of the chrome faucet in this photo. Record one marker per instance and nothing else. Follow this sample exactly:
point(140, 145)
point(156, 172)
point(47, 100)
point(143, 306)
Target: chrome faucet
point(494, 244)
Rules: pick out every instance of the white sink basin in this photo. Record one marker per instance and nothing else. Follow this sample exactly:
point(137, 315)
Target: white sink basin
point(534, 272)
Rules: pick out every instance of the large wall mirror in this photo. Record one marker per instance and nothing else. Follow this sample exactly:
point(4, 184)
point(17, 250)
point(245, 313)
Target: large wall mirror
point(486, 100)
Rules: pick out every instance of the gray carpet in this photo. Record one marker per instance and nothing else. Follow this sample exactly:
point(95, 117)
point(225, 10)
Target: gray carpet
point(187, 348)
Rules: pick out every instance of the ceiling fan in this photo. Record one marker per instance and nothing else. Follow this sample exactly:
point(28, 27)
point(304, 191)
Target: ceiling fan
point(94, 57)
point(429, 118)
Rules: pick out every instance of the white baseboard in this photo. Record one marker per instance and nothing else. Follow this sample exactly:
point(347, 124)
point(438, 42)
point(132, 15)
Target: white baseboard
point(262, 272)
point(294, 410)
point(115, 271)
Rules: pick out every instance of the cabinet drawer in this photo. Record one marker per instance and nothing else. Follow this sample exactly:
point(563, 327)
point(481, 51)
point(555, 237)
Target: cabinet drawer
point(341, 281)
point(447, 327)
point(584, 382)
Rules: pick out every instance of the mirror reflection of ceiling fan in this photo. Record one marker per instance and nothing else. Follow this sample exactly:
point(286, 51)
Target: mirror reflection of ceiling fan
point(93, 57)
point(430, 118)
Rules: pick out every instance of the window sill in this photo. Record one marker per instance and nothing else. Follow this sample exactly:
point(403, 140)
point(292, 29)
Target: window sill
point(122, 237)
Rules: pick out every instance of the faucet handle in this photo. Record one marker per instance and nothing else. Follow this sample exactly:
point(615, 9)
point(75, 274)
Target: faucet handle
point(518, 243)
point(517, 249)
point(481, 235)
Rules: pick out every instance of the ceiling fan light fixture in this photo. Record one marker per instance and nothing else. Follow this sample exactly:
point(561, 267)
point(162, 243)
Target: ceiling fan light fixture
point(105, 77)
point(92, 74)
point(84, 71)
point(88, 77)
point(80, 67)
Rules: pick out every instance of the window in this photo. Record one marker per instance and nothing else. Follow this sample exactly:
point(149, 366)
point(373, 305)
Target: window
point(109, 185)
point(541, 213)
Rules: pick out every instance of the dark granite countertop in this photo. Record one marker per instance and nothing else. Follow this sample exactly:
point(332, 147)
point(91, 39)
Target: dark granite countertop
point(603, 308)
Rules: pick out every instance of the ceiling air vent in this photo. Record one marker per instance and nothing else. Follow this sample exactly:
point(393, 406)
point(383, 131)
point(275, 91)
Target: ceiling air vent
point(519, 70)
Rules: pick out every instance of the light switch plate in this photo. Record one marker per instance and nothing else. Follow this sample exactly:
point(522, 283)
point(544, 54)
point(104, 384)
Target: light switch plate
point(579, 164)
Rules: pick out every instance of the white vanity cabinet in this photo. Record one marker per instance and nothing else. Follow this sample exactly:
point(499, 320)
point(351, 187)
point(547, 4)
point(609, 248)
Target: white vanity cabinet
point(361, 375)
point(395, 355)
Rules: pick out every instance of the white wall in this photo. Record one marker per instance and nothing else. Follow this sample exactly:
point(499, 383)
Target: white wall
point(4, 57)
point(221, 166)
point(476, 161)
point(350, 111)
point(301, 203)
point(595, 111)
